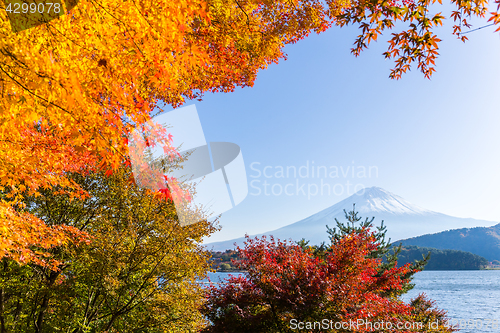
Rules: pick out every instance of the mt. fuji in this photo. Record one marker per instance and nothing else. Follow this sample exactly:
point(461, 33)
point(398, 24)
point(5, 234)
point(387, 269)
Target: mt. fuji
point(403, 219)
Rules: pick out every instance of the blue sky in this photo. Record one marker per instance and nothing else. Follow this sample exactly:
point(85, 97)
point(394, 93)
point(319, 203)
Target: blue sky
point(434, 142)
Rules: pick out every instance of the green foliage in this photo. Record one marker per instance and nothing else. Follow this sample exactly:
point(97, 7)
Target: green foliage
point(139, 273)
point(442, 259)
point(225, 267)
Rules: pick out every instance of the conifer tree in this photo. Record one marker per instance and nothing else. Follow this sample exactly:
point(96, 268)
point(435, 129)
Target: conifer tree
point(384, 250)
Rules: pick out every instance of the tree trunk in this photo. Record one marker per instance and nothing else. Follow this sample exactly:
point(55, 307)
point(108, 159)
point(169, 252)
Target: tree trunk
point(2, 318)
point(45, 302)
point(43, 308)
point(110, 323)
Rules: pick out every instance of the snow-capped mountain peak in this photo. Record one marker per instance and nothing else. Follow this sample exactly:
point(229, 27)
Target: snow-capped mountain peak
point(402, 219)
point(378, 200)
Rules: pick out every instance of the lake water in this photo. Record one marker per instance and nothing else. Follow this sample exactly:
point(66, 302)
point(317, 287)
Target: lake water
point(471, 298)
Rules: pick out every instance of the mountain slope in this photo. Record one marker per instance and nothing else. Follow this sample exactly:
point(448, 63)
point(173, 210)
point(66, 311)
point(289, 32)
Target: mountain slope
point(482, 241)
point(403, 219)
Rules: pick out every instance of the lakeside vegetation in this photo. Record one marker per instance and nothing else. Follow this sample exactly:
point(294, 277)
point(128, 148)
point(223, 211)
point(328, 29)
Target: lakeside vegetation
point(224, 261)
point(227, 261)
point(442, 259)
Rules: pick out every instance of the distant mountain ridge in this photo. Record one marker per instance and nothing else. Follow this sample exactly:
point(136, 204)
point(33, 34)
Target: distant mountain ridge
point(482, 241)
point(403, 219)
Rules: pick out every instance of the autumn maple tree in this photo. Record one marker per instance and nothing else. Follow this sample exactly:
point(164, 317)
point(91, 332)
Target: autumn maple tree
point(284, 284)
point(74, 88)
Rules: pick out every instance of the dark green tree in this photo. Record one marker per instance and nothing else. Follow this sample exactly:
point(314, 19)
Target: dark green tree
point(384, 250)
